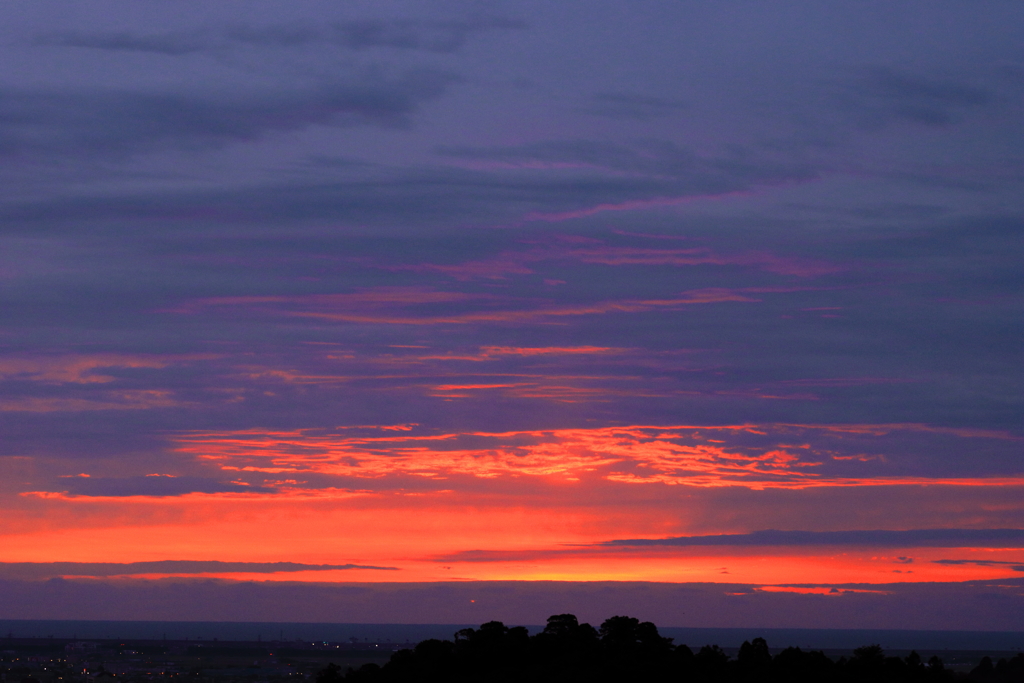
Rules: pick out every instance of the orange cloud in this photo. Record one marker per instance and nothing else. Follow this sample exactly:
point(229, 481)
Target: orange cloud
point(675, 455)
point(78, 369)
point(286, 492)
point(552, 388)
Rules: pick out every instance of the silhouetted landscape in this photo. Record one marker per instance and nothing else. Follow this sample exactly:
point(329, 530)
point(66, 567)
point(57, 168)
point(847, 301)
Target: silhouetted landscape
point(626, 649)
point(622, 649)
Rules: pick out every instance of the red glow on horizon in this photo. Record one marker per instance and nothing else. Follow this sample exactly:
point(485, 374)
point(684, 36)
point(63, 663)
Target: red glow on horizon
point(515, 505)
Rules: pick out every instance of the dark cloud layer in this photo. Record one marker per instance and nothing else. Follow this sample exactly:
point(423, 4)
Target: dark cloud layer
point(978, 605)
point(618, 105)
point(1014, 566)
point(46, 570)
point(439, 201)
point(911, 538)
point(122, 123)
point(883, 95)
point(402, 34)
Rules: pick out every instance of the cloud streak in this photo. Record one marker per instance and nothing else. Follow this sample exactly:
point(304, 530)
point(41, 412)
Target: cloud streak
point(47, 570)
point(1015, 566)
point(53, 124)
point(80, 369)
point(399, 34)
point(909, 538)
point(366, 307)
point(142, 399)
point(882, 96)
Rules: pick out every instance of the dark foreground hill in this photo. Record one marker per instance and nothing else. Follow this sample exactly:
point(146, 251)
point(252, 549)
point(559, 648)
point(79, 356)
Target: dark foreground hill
point(625, 649)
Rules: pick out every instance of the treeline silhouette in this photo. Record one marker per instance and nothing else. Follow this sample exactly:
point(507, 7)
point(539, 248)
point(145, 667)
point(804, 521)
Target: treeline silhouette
point(627, 649)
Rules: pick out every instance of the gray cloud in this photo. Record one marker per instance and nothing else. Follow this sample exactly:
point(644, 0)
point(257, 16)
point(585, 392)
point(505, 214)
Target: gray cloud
point(883, 95)
point(618, 105)
point(402, 34)
point(430, 196)
point(162, 43)
point(659, 158)
point(119, 123)
point(1015, 566)
point(46, 570)
point(926, 538)
point(432, 36)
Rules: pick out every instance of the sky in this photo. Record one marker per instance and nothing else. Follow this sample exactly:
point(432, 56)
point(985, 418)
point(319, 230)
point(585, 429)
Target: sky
point(496, 294)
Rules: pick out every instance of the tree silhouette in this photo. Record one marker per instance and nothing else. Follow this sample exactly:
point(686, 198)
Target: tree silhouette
point(627, 650)
point(329, 674)
point(754, 660)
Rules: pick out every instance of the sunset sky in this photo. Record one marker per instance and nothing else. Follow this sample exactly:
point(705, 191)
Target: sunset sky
point(419, 292)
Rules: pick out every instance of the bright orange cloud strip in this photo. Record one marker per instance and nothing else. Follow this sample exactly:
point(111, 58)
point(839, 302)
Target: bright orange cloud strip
point(630, 455)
